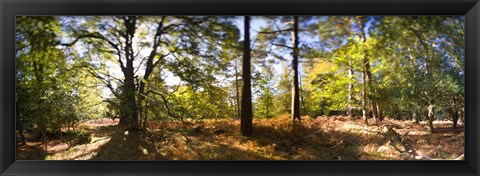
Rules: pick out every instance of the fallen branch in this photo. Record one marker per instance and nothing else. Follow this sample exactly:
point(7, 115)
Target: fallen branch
point(408, 151)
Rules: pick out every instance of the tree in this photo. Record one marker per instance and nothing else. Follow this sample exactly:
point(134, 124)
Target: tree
point(283, 98)
point(246, 115)
point(426, 62)
point(337, 45)
point(264, 106)
point(295, 84)
point(51, 86)
point(367, 74)
point(333, 76)
point(237, 90)
point(116, 36)
point(274, 41)
point(174, 42)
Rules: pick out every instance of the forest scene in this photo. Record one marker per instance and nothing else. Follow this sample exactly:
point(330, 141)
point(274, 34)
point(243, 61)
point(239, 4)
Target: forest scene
point(240, 87)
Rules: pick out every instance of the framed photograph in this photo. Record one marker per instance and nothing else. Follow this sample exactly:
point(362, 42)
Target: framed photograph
point(256, 87)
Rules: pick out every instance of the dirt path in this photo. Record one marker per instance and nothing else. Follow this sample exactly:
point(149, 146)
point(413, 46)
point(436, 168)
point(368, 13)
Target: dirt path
point(99, 132)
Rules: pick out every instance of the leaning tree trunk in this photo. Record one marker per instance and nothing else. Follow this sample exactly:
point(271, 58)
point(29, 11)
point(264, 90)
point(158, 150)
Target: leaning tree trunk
point(246, 109)
point(295, 84)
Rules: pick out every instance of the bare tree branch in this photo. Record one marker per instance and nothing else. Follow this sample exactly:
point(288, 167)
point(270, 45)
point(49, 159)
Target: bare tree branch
point(275, 32)
point(105, 81)
point(96, 35)
point(165, 102)
point(281, 45)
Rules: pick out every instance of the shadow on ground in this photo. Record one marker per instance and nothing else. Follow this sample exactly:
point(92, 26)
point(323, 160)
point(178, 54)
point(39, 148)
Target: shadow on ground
point(130, 145)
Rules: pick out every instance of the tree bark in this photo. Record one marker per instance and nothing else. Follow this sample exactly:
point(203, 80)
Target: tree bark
point(415, 117)
point(246, 115)
point(20, 127)
point(130, 114)
point(455, 117)
point(129, 102)
point(368, 73)
point(365, 74)
point(145, 114)
point(364, 98)
point(150, 65)
point(350, 88)
point(431, 114)
point(461, 116)
point(295, 83)
point(454, 112)
point(380, 113)
point(302, 99)
point(237, 98)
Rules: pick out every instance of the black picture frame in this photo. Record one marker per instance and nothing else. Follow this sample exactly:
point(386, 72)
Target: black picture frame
point(11, 8)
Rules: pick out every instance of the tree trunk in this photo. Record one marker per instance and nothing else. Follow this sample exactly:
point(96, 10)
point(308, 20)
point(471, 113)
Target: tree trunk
point(380, 113)
point(237, 90)
point(20, 127)
point(295, 84)
point(45, 142)
point(145, 113)
point(454, 112)
point(425, 116)
point(431, 114)
point(365, 75)
point(350, 88)
point(130, 109)
point(368, 80)
point(461, 116)
point(368, 73)
point(415, 117)
point(364, 98)
point(268, 106)
point(302, 99)
point(375, 111)
point(246, 115)
point(149, 69)
point(455, 117)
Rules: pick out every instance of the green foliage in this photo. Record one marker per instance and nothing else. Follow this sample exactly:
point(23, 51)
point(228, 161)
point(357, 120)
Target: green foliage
point(263, 105)
point(187, 102)
point(415, 61)
point(51, 92)
point(283, 98)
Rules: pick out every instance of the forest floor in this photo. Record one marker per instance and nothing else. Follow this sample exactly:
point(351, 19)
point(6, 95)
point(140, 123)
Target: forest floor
point(321, 138)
